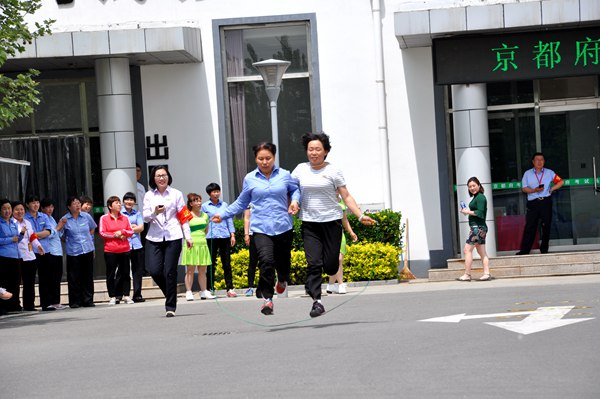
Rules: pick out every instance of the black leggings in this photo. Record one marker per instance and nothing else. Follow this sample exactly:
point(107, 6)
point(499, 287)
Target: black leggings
point(322, 243)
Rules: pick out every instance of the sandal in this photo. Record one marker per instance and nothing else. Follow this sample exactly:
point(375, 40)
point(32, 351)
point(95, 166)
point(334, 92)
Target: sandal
point(485, 277)
point(464, 277)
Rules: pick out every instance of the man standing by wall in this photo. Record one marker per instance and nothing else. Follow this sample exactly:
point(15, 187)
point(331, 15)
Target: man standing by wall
point(536, 184)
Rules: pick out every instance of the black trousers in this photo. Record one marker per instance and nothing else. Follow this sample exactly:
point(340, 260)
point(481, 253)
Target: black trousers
point(223, 247)
point(80, 278)
point(537, 210)
point(55, 265)
point(322, 243)
point(45, 280)
point(137, 270)
point(252, 262)
point(10, 279)
point(273, 254)
point(118, 282)
point(28, 273)
point(161, 263)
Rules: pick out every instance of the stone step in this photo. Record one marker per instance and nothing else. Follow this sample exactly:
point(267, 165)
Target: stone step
point(552, 264)
point(557, 258)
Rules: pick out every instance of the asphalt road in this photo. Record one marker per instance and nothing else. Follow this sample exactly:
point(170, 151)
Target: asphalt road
point(371, 343)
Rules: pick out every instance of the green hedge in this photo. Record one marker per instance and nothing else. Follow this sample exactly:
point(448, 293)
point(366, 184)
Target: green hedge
point(388, 230)
point(374, 257)
point(364, 261)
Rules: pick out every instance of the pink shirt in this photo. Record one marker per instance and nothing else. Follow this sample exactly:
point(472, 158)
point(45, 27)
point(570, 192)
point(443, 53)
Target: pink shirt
point(165, 226)
point(108, 226)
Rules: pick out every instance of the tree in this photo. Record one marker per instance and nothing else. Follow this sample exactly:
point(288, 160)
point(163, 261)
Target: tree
point(18, 93)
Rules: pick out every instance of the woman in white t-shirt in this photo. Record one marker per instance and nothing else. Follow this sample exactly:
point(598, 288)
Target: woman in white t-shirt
point(320, 183)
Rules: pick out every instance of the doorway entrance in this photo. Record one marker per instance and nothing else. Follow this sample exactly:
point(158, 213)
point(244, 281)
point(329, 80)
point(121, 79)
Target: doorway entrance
point(563, 122)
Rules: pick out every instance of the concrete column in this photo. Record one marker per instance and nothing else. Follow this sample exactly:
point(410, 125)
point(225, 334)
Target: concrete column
point(472, 153)
point(115, 114)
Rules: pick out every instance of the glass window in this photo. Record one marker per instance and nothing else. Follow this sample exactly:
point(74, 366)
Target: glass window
point(502, 93)
point(249, 120)
point(575, 87)
point(244, 47)
point(59, 109)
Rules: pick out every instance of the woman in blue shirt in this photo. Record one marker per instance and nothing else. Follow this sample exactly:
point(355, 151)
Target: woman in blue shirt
point(78, 233)
point(274, 195)
point(54, 253)
point(10, 260)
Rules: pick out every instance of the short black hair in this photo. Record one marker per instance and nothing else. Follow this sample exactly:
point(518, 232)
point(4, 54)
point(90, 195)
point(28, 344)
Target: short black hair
point(47, 202)
point(321, 136)
point(152, 183)
point(4, 201)
point(129, 195)
point(212, 187)
point(272, 148)
point(536, 154)
point(14, 204)
point(32, 198)
point(84, 199)
point(71, 199)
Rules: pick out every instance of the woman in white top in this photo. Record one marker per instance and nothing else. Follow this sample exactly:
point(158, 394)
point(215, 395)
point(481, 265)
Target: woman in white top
point(320, 183)
point(29, 264)
point(167, 217)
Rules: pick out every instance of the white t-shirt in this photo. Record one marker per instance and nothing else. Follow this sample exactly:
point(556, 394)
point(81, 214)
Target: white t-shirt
point(319, 202)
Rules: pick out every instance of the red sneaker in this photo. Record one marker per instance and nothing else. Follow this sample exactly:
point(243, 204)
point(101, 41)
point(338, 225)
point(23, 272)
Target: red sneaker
point(280, 287)
point(267, 307)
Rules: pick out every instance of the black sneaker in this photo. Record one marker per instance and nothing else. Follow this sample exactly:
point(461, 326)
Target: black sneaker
point(317, 309)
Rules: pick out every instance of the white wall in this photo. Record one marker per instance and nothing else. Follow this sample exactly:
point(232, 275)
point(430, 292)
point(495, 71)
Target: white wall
point(181, 100)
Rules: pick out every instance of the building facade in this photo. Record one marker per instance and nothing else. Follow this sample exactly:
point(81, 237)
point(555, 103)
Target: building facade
point(416, 97)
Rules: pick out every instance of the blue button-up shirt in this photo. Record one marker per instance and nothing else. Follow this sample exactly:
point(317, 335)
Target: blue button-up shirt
point(532, 179)
point(135, 217)
point(39, 223)
point(54, 243)
point(78, 240)
point(270, 199)
point(9, 248)
point(217, 230)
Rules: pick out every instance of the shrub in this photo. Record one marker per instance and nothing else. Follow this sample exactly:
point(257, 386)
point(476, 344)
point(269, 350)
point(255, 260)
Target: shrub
point(364, 261)
point(388, 230)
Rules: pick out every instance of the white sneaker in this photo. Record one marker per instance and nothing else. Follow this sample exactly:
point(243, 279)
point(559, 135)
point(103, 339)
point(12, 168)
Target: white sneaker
point(332, 288)
point(112, 302)
point(128, 300)
point(206, 294)
point(189, 296)
point(342, 288)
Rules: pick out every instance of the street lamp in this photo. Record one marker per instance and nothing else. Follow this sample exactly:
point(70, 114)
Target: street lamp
point(272, 73)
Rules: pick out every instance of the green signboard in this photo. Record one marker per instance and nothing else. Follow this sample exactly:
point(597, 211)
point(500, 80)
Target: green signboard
point(517, 56)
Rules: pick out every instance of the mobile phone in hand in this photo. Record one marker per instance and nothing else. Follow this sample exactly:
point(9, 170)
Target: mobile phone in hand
point(541, 186)
point(463, 205)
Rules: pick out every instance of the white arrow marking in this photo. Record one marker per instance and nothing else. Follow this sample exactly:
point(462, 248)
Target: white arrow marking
point(541, 319)
point(457, 318)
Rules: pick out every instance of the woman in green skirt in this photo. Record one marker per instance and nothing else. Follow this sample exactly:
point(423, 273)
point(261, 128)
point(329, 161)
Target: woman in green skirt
point(198, 256)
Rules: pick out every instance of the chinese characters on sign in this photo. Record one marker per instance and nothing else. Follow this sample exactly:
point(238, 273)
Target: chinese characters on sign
point(544, 54)
point(154, 147)
point(547, 54)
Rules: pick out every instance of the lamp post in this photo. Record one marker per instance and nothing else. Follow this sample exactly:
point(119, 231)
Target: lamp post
point(272, 73)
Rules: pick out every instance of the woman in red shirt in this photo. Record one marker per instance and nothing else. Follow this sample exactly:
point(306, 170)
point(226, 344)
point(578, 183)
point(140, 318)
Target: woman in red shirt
point(115, 229)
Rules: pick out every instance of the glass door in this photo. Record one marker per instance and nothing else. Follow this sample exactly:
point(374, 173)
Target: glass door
point(570, 141)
